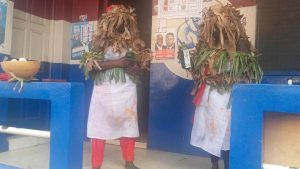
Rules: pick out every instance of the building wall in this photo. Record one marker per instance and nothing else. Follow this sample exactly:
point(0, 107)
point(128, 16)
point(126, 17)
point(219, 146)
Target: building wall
point(56, 18)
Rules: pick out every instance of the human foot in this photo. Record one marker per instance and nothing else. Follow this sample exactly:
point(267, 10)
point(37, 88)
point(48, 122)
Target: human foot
point(130, 165)
point(215, 166)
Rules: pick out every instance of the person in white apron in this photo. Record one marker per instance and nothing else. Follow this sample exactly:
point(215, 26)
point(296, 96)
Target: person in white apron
point(211, 128)
point(113, 112)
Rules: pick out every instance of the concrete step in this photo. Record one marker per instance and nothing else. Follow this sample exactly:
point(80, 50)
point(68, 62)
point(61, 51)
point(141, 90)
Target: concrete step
point(19, 142)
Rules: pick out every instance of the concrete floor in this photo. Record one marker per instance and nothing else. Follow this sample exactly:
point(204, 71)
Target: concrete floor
point(37, 157)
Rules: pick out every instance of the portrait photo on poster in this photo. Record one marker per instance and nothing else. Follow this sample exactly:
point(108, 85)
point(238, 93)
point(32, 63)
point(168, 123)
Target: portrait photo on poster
point(165, 46)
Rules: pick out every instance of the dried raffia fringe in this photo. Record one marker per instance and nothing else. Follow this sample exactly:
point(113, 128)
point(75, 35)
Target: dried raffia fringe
point(117, 28)
point(220, 60)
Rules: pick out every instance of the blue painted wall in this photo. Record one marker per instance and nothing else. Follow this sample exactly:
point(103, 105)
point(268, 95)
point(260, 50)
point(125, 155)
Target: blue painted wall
point(281, 77)
point(171, 112)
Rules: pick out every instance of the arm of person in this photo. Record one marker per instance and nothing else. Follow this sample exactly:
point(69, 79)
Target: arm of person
point(109, 64)
point(134, 70)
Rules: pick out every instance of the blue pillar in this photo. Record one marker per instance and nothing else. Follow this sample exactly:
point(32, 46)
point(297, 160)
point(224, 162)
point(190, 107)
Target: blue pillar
point(3, 122)
point(66, 126)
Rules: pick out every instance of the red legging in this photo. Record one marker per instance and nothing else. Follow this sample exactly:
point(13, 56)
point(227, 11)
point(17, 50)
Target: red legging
point(127, 146)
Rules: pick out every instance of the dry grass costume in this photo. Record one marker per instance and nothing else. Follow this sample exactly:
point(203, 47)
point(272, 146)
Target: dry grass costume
point(114, 64)
point(224, 57)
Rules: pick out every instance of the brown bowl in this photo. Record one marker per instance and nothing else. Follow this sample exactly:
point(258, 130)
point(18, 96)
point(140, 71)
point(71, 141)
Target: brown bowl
point(21, 69)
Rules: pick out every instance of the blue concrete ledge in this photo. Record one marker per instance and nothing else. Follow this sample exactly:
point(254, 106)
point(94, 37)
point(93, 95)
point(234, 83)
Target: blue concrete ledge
point(249, 104)
point(67, 118)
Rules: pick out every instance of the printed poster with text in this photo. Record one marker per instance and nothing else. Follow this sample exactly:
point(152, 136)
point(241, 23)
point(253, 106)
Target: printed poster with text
point(82, 35)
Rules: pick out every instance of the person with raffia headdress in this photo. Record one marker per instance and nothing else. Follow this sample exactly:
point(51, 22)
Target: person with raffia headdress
point(116, 59)
point(224, 57)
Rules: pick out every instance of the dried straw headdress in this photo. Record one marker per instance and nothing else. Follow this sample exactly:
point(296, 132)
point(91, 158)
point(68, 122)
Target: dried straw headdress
point(118, 28)
point(224, 53)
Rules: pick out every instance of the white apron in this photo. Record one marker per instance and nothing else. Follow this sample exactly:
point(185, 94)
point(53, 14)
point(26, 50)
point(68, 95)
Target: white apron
point(113, 109)
point(211, 129)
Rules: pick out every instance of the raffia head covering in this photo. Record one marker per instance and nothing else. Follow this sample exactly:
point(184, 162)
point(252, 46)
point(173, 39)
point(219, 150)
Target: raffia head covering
point(118, 28)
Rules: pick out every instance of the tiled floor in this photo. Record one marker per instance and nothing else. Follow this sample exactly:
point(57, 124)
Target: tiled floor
point(37, 157)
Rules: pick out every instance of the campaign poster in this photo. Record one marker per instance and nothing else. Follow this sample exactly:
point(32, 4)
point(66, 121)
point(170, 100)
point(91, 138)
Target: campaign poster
point(3, 13)
point(165, 46)
point(82, 35)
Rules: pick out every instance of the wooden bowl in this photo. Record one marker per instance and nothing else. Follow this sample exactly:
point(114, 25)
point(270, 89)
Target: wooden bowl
point(21, 69)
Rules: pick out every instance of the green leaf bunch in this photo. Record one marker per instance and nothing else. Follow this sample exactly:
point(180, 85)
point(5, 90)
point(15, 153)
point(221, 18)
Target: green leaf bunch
point(86, 58)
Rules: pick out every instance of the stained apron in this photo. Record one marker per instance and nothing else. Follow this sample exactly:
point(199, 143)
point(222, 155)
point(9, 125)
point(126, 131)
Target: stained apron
point(113, 108)
point(211, 128)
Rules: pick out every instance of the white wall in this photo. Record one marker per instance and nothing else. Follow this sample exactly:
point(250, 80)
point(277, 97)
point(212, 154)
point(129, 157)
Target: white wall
point(40, 39)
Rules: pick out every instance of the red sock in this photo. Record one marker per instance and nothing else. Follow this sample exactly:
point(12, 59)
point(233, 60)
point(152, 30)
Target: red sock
point(97, 152)
point(127, 146)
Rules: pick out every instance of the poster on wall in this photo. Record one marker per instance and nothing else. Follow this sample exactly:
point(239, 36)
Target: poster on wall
point(82, 35)
point(179, 8)
point(6, 9)
point(161, 25)
point(188, 32)
point(3, 13)
point(165, 46)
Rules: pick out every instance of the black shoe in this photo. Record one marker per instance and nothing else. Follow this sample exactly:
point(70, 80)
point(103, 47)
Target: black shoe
point(130, 165)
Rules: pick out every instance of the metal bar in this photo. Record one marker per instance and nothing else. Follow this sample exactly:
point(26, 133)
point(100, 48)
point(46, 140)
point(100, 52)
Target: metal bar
point(24, 132)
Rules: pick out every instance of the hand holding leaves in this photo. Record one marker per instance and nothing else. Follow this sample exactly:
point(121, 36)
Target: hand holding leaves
point(134, 70)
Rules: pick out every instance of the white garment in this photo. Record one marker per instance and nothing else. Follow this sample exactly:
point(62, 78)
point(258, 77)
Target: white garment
point(113, 108)
point(211, 129)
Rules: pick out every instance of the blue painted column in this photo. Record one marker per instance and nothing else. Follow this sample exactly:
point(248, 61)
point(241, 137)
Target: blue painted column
point(67, 118)
point(3, 122)
point(247, 117)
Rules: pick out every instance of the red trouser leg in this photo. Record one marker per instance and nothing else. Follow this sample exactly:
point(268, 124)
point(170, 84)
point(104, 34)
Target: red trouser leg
point(127, 146)
point(97, 152)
